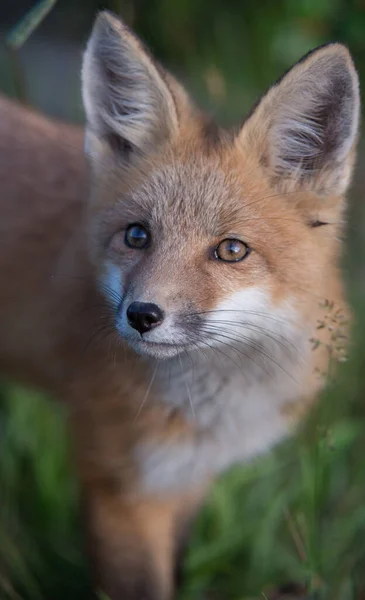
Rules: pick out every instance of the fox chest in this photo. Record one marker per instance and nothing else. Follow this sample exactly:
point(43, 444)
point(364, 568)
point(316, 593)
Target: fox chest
point(233, 420)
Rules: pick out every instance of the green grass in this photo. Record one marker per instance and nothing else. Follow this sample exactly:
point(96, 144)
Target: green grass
point(297, 514)
point(40, 547)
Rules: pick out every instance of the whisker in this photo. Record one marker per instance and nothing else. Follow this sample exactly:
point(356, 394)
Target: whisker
point(216, 350)
point(187, 353)
point(230, 347)
point(198, 348)
point(99, 286)
point(144, 399)
point(219, 336)
point(240, 310)
point(277, 338)
point(238, 351)
point(187, 389)
point(247, 341)
point(99, 334)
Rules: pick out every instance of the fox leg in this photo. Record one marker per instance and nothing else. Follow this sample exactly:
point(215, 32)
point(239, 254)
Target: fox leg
point(134, 537)
point(134, 545)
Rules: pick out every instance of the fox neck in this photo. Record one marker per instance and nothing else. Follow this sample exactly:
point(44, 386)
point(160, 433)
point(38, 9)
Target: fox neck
point(207, 386)
point(237, 409)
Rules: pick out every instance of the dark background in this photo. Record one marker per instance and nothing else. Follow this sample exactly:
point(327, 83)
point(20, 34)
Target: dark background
point(228, 51)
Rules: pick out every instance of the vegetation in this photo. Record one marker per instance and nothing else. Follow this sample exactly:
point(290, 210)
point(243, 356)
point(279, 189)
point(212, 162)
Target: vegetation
point(297, 515)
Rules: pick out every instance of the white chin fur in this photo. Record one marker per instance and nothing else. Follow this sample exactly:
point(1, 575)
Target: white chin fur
point(154, 350)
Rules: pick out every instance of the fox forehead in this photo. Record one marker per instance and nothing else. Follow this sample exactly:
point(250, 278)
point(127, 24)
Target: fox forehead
point(211, 195)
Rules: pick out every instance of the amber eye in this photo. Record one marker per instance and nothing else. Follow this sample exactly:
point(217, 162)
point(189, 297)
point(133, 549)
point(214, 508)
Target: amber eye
point(137, 236)
point(231, 250)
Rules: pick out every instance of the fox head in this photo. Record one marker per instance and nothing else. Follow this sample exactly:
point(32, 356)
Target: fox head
point(206, 237)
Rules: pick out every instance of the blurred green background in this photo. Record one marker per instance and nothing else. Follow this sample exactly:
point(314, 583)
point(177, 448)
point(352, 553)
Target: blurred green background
point(294, 517)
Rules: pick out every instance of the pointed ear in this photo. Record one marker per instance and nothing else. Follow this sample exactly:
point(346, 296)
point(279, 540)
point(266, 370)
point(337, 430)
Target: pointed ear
point(128, 101)
point(305, 128)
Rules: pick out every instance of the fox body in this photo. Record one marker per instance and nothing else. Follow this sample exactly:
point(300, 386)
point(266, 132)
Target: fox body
point(174, 290)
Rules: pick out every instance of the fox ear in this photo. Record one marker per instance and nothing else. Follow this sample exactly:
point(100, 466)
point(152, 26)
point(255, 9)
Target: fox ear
point(128, 101)
point(305, 128)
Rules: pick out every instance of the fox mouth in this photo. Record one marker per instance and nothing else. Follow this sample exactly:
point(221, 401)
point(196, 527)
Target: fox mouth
point(174, 338)
point(158, 349)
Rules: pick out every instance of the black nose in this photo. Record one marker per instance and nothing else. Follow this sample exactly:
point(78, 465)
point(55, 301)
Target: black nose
point(144, 316)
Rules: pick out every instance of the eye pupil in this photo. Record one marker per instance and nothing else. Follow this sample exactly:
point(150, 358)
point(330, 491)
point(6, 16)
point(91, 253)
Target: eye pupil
point(137, 236)
point(231, 250)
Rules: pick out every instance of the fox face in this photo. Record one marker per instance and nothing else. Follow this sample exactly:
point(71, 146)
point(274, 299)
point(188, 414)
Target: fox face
point(204, 238)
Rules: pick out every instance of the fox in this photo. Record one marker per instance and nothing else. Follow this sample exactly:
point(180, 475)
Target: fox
point(176, 285)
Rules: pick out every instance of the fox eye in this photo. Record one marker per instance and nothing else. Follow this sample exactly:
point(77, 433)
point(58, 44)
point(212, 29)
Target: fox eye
point(137, 236)
point(231, 250)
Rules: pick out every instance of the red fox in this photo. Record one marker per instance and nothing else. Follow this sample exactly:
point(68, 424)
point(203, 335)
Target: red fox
point(175, 288)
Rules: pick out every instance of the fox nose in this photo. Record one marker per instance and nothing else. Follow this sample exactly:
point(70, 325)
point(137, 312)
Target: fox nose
point(144, 316)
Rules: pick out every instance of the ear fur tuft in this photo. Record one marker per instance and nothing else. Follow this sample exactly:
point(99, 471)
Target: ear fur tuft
point(125, 93)
point(305, 128)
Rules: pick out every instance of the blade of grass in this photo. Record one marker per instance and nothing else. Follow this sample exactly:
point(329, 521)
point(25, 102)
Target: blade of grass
point(31, 20)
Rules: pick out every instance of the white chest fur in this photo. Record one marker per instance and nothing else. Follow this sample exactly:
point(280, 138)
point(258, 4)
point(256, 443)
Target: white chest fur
point(236, 411)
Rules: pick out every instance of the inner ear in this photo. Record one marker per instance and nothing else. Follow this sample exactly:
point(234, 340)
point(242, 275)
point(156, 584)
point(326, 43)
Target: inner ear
point(121, 146)
point(304, 129)
point(130, 102)
point(316, 223)
point(316, 124)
